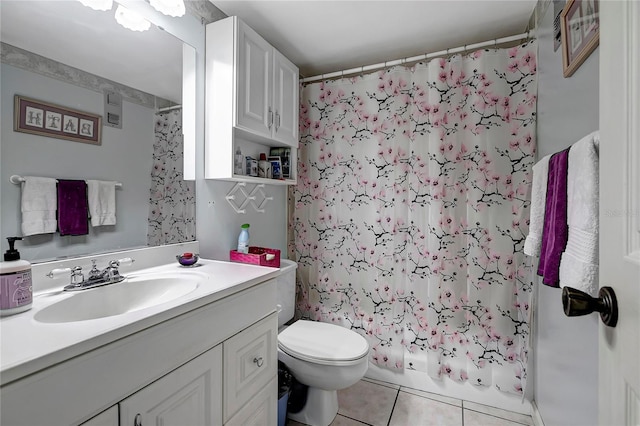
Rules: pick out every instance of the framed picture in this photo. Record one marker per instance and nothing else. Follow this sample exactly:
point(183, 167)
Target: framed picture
point(276, 167)
point(580, 21)
point(46, 119)
point(284, 154)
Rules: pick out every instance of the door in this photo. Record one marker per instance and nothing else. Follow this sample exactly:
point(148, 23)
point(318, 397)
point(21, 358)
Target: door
point(254, 82)
point(619, 372)
point(285, 93)
point(190, 395)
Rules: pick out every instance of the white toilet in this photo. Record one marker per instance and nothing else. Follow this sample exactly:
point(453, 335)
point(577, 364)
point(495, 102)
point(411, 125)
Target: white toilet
point(325, 357)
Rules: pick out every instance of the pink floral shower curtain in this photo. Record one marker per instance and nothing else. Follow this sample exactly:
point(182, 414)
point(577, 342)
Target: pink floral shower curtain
point(172, 200)
point(411, 211)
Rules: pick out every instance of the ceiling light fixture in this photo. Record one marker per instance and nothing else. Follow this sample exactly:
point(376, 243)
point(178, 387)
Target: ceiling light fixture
point(131, 20)
point(173, 8)
point(98, 4)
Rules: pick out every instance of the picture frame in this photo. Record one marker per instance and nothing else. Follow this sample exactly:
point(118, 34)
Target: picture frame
point(284, 154)
point(580, 27)
point(276, 167)
point(47, 119)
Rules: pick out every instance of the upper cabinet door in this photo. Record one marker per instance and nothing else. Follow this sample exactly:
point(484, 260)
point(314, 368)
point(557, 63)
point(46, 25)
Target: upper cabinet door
point(285, 94)
point(254, 73)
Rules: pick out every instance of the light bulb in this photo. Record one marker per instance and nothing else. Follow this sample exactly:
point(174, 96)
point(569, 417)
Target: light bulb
point(169, 7)
point(131, 20)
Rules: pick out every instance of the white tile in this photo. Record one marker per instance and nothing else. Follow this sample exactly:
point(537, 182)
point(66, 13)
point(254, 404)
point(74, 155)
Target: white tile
point(498, 412)
point(367, 402)
point(435, 396)
point(380, 382)
point(346, 421)
point(413, 410)
point(474, 418)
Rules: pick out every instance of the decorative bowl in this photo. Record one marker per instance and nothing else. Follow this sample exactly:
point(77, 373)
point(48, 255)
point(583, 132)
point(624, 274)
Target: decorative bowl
point(188, 259)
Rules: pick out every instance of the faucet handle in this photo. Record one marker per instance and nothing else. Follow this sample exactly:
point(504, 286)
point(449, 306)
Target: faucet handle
point(55, 273)
point(125, 261)
point(77, 277)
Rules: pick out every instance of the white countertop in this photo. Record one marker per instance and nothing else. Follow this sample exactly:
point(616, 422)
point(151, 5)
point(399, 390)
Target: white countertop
point(28, 345)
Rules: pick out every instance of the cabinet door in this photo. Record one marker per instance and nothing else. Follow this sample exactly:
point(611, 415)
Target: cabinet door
point(254, 88)
point(285, 93)
point(261, 410)
point(191, 395)
point(250, 362)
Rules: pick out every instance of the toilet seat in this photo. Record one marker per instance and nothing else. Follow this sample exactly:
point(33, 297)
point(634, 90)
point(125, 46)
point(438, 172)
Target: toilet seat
point(323, 343)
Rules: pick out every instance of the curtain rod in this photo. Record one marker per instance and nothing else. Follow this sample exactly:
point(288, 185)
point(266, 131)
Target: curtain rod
point(465, 48)
point(169, 108)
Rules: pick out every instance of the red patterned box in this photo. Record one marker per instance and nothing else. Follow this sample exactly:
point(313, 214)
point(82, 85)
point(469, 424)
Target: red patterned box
point(257, 256)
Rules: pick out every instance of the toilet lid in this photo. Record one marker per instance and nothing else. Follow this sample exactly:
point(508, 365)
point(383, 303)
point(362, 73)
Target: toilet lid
point(319, 341)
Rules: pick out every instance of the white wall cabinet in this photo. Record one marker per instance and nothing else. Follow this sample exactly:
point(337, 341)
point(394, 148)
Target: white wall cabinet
point(251, 100)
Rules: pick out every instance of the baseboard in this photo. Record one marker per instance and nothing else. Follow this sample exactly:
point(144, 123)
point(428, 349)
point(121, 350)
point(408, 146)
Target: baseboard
point(535, 415)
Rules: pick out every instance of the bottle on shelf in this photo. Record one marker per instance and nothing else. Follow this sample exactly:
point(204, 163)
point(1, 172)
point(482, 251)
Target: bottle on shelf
point(243, 239)
point(238, 162)
point(264, 167)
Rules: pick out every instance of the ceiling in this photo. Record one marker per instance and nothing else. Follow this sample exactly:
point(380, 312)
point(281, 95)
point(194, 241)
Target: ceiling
point(328, 35)
point(70, 33)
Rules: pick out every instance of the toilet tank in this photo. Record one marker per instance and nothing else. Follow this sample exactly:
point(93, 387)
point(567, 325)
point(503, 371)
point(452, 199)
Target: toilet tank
point(286, 297)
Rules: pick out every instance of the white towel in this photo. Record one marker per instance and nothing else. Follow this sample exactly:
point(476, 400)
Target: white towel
point(538, 203)
point(102, 202)
point(579, 263)
point(38, 205)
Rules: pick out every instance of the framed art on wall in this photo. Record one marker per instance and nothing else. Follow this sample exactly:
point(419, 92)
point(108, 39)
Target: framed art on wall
point(46, 119)
point(580, 21)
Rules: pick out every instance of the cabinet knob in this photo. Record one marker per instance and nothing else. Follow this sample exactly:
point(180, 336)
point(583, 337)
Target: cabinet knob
point(258, 361)
point(138, 420)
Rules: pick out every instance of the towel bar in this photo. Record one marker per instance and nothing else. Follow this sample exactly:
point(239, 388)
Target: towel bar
point(16, 179)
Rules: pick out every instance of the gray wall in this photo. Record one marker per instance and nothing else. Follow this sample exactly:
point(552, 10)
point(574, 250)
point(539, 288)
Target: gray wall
point(125, 155)
point(565, 349)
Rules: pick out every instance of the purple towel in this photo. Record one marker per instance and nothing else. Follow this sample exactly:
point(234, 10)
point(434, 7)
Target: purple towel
point(555, 229)
point(73, 211)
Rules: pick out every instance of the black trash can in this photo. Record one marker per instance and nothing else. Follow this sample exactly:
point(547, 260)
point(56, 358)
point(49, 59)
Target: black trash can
point(284, 389)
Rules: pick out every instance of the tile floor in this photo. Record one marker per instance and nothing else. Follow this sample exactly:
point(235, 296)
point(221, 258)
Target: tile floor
point(375, 403)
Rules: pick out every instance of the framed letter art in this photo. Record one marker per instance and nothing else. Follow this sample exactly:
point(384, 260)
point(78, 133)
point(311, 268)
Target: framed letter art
point(46, 119)
point(580, 21)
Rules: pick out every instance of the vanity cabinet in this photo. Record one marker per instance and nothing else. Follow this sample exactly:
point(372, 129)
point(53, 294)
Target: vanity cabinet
point(251, 100)
point(213, 365)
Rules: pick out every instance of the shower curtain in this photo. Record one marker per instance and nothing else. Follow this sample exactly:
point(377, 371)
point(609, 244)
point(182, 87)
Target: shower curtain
point(411, 211)
point(172, 204)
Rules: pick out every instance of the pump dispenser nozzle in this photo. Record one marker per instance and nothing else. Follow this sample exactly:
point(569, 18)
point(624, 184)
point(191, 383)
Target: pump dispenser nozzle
point(12, 253)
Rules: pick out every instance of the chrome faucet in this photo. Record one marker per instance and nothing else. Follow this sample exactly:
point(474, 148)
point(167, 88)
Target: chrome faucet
point(109, 275)
point(96, 278)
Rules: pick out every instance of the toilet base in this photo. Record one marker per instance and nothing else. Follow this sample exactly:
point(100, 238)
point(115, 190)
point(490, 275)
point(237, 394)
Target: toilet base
point(320, 410)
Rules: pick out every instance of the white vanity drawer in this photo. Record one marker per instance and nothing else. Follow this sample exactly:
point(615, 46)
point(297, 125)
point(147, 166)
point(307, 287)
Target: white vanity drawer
point(250, 362)
point(262, 409)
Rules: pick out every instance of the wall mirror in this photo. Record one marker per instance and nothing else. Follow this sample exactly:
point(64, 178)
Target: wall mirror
point(150, 63)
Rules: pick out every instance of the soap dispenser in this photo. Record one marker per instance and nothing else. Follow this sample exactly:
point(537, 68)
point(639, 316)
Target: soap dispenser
point(16, 292)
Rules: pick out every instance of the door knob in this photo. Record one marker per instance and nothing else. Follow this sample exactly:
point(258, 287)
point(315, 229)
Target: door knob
point(577, 303)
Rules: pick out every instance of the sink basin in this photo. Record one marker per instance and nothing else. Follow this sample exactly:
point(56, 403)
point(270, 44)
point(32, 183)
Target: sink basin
point(132, 294)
